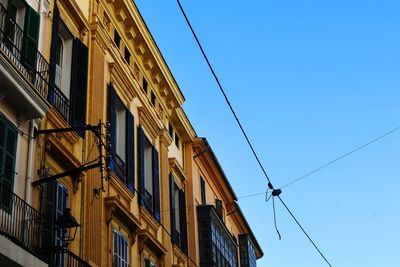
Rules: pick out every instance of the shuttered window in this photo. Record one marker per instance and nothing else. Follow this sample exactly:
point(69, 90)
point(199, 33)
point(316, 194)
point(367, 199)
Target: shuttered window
point(149, 180)
point(122, 143)
point(79, 73)
point(30, 42)
point(8, 145)
point(70, 99)
point(61, 205)
point(203, 190)
point(178, 216)
point(120, 250)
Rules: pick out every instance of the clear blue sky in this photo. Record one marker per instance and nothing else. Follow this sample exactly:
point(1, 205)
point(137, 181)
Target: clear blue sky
point(310, 80)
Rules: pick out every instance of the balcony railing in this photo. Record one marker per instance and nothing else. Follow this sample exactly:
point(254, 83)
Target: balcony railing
point(20, 222)
point(120, 169)
point(148, 201)
point(31, 64)
point(60, 102)
point(72, 260)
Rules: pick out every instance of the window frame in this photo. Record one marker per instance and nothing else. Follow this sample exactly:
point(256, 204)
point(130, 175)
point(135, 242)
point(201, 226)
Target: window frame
point(122, 247)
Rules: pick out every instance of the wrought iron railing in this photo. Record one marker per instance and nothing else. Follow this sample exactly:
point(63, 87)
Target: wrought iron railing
point(148, 201)
point(72, 260)
point(60, 102)
point(20, 222)
point(120, 169)
point(13, 43)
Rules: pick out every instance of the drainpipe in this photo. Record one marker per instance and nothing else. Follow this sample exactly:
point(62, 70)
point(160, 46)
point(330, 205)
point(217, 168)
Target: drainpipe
point(29, 164)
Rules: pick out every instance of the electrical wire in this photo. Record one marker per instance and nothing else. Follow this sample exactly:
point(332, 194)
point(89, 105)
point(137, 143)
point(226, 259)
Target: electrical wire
point(238, 121)
point(341, 157)
point(304, 231)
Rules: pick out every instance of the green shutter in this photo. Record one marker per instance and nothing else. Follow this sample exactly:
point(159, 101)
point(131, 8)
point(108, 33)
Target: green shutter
point(8, 148)
point(31, 35)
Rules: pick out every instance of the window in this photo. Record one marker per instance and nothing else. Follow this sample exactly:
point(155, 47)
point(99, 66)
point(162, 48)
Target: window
point(149, 176)
point(219, 208)
point(170, 130)
point(117, 39)
point(247, 251)
point(145, 85)
point(149, 263)
point(127, 56)
point(8, 145)
point(13, 21)
point(153, 99)
point(64, 60)
point(121, 139)
point(68, 73)
point(203, 190)
point(120, 250)
point(178, 215)
point(148, 173)
point(121, 120)
point(61, 205)
point(177, 141)
point(217, 246)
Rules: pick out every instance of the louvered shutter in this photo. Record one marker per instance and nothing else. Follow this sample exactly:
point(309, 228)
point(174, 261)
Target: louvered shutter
point(182, 217)
point(112, 118)
point(53, 52)
point(8, 146)
point(172, 200)
point(61, 204)
point(79, 85)
point(130, 151)
point(48, 211)
point(141, 166)
point(156, 185)
point(31, 35)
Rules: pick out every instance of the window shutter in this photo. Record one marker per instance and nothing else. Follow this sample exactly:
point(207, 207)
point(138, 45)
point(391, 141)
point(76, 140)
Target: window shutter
point(8, 146)
point(48, 210)
point(53, 52)
point(156, 185)
point(112, 118)
point(130, 151)
point(141, 166)
point(182, 217)
point(31, 35)
point(172, 199)
point(79, 74)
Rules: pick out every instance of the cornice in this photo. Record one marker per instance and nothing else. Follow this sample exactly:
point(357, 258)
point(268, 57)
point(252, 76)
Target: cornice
point(177, 171)
point(149, 122)
point(114, 208)
point(122, 81)
point(153, 66)
point(70, 9)
point(148, 240)
point(183, 125)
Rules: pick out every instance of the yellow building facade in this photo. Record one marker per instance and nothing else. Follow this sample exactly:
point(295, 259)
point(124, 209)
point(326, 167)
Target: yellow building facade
point(107, 158)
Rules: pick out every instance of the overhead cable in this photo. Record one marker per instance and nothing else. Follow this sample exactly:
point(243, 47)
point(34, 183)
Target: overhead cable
point(240, 125)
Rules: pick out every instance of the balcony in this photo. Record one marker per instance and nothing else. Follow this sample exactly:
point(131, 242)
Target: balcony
point(20, 235)
point(21, 224)
point(61, 103)
point(24, 76)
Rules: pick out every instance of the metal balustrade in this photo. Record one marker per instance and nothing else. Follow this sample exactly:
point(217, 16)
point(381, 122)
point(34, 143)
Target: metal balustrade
point(20, 222)
point(72, 260)
point(13, 43)
point(60, 102)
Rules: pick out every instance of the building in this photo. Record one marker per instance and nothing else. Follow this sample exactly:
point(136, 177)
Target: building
point(222, 236)
point(96, 146)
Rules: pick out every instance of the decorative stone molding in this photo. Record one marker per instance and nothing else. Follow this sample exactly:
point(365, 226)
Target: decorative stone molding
point(114, 208)
point(149, 122)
